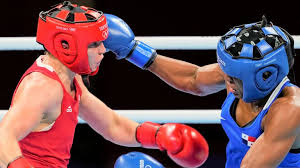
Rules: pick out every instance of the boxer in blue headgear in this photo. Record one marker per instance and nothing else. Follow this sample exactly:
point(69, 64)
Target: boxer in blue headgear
point(259, 54)
point(261, 113)
point(256, 59)
point(137, 160)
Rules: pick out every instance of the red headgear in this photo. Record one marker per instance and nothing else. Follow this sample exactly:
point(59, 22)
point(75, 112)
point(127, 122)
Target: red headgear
point(76, 25)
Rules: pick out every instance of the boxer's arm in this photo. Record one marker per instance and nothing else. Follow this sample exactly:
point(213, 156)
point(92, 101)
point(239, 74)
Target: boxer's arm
point(105, 121)
point(281, 126)
point(178, 74)
point(34, 96)
point(188, 77)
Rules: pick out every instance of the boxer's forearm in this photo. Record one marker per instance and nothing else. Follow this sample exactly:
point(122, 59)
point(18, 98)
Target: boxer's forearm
point(188, 77)
point(124, 132)
point(177, 73)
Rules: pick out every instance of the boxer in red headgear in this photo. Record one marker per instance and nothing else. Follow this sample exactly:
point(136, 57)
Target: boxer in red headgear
point(41, 121)
point(38, 129)
point(76, 26)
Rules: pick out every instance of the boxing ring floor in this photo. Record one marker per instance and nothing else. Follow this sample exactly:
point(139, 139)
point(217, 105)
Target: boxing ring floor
point(160, 104)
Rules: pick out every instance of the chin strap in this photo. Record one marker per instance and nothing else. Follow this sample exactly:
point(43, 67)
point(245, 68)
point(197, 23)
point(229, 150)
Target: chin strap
point(275, 92)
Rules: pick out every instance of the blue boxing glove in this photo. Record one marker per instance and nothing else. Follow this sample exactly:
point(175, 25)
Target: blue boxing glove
point(121, 41)
point(137, 160)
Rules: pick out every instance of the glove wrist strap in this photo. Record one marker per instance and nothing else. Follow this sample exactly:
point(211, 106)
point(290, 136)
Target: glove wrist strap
point(141, 55)
point(146, 134)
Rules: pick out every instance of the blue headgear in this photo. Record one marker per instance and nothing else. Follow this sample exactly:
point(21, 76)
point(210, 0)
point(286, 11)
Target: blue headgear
point(137, 160)
point(259, 54)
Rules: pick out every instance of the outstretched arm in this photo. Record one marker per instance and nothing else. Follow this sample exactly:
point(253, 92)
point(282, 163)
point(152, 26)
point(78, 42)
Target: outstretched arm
point(184, 145)
point(105, 121)
point(181, 75)
point(188, 77)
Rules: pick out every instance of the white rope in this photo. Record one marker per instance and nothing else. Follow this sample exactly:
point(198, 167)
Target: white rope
point(181, 42)
point(165, 116)
point(157, 42)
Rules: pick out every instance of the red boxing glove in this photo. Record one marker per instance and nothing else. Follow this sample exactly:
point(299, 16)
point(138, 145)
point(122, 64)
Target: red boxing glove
point(184, 144)
point(19, 162)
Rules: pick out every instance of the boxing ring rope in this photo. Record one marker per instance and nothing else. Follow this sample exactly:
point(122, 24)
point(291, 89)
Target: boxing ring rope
point(157, 42)
point(165, 116)
point(161, 43)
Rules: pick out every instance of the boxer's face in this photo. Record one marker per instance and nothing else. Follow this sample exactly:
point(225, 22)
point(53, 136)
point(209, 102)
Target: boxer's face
point(95, 53)
point(235, 86)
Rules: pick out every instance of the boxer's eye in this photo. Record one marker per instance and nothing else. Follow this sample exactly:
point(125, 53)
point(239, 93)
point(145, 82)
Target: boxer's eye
point(95, 44)
point(231, 80)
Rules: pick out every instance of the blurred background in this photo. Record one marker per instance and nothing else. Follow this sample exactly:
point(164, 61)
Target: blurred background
point(121, 85)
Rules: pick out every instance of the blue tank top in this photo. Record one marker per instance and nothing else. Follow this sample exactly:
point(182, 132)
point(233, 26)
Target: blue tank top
point(241, 138)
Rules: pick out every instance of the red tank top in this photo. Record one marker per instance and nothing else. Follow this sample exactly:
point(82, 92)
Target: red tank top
point(51, 148)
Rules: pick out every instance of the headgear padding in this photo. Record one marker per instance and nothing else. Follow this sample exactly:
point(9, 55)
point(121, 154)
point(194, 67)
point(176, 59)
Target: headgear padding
point(259, 54)
point(78, 26)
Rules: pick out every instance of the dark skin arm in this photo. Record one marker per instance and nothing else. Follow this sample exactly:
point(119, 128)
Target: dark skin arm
point(188, 77)
point(281, 128)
